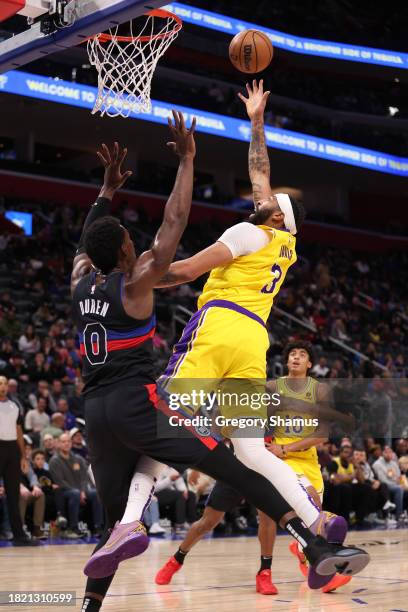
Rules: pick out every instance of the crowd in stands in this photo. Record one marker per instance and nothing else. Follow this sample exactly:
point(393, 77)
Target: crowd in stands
point(370, 24)
point(323, 92)
point(222, 98)
point(385, 98)
point(346, 300)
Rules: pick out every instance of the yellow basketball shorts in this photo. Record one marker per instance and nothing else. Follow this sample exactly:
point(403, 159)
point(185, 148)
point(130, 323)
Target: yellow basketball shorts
point(308, 472)
point(222, 349)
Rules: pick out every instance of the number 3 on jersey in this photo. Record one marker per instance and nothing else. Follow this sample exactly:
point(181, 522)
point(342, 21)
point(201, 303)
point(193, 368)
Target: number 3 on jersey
point(277, 274)
point(95, 343)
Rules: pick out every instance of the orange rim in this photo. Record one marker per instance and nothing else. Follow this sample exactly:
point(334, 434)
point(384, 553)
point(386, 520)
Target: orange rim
point(162, 13)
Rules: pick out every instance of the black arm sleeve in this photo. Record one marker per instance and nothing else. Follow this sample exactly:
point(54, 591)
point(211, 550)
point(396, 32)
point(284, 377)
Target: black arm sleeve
point(100, 208)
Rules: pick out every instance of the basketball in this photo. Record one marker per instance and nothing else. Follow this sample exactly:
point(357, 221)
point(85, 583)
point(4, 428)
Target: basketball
point(251, 51)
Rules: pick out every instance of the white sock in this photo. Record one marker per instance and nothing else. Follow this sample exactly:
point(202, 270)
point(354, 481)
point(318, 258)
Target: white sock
point(252, 452)
point(141, 489)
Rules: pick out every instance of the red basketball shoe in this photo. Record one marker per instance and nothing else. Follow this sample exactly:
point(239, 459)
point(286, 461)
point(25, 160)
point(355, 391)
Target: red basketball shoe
point(166, 573)
point(264, 584)
point(294, 549)
point(335, 583)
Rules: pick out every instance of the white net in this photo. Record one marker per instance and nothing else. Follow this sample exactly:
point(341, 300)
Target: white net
point(126, 64)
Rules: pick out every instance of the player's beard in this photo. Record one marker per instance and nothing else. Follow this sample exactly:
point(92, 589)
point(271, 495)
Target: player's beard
point(260, 216)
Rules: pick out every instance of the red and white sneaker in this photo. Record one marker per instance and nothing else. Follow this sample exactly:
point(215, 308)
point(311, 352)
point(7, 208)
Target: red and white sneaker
point(166, 573)
point(264, 584)
point(294, 549)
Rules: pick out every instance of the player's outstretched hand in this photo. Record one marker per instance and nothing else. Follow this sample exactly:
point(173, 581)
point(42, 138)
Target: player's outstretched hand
point(183, 139)
point(112, 161)
point(256, 101)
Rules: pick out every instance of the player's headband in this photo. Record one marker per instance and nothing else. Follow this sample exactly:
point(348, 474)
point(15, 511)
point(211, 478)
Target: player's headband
point(286, 207)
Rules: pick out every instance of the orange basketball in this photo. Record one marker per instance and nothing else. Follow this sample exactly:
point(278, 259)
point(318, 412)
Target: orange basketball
point(251, 51)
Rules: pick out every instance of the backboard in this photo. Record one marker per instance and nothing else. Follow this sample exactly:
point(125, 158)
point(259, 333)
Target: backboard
point(55, 25)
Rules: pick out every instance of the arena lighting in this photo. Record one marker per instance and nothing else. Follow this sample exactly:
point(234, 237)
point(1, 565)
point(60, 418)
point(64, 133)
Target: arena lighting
point(83, 96)
point(288, 42)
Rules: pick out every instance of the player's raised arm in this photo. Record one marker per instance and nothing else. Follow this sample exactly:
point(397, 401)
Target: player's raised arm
point(259, 166)
point(152, 264)
point(114, 179)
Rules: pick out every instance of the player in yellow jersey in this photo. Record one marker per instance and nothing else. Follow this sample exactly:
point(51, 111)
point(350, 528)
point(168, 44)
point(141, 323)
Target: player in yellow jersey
point(292, 442)
point(225, 342)
point(295, 440)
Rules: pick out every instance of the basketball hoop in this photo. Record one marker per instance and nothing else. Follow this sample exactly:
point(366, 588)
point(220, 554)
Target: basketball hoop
point(126, 64)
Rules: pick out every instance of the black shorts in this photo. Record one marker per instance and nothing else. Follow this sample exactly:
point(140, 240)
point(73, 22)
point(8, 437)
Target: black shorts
point(126, 421)
point(223, 497)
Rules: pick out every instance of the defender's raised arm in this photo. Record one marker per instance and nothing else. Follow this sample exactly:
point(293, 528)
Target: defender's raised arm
point(152, 264)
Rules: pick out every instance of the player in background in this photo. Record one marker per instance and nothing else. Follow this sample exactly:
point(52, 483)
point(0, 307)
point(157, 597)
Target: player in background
point(294, 444)
point(113, 309)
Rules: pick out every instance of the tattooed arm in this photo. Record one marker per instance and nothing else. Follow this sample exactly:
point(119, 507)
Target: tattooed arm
point(259, 167)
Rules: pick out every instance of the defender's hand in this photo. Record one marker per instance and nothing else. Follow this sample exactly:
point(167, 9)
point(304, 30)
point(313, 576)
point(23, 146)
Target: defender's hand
point(112, 161)
point(256, 101)
point(183, 144)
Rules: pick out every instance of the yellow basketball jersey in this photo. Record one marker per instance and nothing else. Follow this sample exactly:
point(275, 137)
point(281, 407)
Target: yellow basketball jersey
point(285, 434)
point(252, 281)
point(342, 470)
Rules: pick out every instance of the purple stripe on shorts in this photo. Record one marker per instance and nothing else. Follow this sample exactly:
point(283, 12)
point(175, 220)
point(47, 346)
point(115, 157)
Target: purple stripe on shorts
point(182, 345)
point(236, 307)
point(180, 348)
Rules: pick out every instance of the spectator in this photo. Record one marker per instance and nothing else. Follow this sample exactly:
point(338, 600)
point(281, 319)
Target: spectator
point(40, 370)
point(56, 393)
point(58, 370)
point(49, 446)
point(45, 482)
point(42, 391)
point(174, 497)
point(56, 427)
point(69, 418)
point(70, 473)
point(338, 330)
point(401, 446)
point(375, 453)
point(388, 472)
point(403, 465)
point(37, 419)
point(320, 370)
point(369, 494)
point(31, 494)
point(14, 396)
point(338, 495)
point(76, 402)
point(12, 461)
point(6, 351)
point(78, 443)
point(71, 351)
point(29, 342)
point(17, 368)
point(9, 324)
point(72, 371)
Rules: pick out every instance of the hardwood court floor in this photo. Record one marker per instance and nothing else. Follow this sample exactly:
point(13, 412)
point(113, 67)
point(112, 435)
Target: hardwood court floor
point(218, 575)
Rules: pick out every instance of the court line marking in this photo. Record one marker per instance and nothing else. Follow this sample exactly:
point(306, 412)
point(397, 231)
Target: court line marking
point(198, 589)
